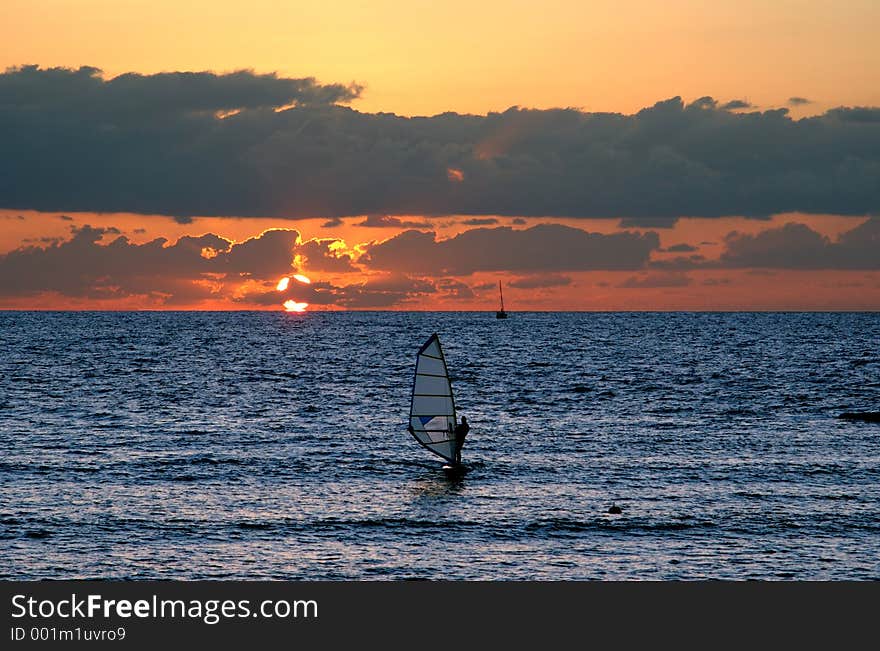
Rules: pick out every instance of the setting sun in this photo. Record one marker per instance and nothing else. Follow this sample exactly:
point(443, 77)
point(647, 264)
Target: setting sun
point(293, 306)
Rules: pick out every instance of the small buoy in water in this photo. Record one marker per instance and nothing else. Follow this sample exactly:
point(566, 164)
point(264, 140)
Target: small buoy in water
point(615, 509)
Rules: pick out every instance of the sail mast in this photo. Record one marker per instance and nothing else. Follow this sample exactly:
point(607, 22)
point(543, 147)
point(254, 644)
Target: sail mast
point(501, 314)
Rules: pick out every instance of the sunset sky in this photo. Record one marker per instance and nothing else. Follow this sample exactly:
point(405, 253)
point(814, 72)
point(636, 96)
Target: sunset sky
point(589, 155)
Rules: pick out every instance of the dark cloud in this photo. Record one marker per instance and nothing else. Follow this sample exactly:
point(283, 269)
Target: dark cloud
point(383, 291)
point(155, 143)
point(860, 114)
point(792, 246)
point(648, 222)
point(704, 103)
point(223, 144)
point(267, 257)
point(654, 280)
point(90, 264)
point(542, 248)
point(184, 219)
point(798, 101)
point(320, 255)
point(519, 221)
point(387, 221)
point(540, 281)
point(481, 221)
point(84, 91)
point(332, 223)
point(456, 290)
point(94, 264)
point(681, 248)
point(796, 246)
point(736, 104)
point(682, 263)
point(81, 266)
point(66, 218)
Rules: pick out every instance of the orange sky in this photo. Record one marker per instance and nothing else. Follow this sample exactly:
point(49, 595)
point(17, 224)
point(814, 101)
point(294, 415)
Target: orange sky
point(648, 289)
point(424, 58)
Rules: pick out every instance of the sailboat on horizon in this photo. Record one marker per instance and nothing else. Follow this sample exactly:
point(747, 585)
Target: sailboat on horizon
point(501, 314)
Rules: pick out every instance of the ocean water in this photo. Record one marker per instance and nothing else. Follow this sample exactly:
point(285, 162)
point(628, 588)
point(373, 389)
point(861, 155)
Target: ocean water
point(273, 446)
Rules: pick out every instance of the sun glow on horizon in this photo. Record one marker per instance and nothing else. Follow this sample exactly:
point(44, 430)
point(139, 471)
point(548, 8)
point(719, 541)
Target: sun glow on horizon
point(293, 306)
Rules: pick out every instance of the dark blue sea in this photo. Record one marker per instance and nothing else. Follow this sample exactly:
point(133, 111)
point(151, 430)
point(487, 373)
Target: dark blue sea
point(240, 445)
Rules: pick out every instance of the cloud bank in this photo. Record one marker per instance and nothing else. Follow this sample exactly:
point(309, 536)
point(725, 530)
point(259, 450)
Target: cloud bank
point(102, 263)
point(414, 265)
point(793, 246)
point(796, 246)
point(247, 144)
point(542, 248)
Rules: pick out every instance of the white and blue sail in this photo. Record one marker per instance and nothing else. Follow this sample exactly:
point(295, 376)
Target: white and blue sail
point(432, 411)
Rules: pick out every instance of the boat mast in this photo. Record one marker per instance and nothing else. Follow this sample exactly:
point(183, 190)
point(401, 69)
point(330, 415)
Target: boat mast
point(502, 295)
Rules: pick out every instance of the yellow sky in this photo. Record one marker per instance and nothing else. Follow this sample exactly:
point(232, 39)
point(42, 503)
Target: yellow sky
point(424, 57)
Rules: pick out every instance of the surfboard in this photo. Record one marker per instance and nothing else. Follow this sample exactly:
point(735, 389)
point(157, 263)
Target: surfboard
point(432, 408)
point(454, 472)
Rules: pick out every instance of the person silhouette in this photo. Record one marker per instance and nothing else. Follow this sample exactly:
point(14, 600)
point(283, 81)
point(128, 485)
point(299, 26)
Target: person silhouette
point(461, 431)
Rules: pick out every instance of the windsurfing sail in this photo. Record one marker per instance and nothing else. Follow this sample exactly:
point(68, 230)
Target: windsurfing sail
point(432, 411)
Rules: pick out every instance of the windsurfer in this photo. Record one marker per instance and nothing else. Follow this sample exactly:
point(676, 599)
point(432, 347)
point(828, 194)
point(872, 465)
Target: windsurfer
point(461, 431)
